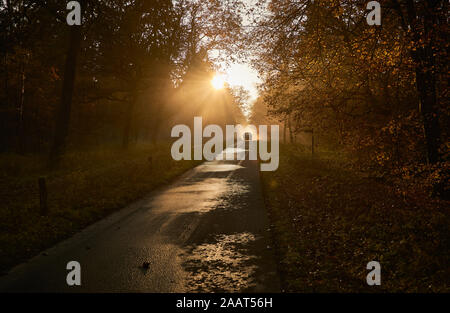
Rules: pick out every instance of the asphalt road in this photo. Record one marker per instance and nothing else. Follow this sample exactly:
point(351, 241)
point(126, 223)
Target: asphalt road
point(206, 232)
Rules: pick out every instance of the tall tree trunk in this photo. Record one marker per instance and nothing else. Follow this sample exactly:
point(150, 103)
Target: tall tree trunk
point(291, 133)
point(64, 110)
point(426, 81)
point(128, 123)
point(20, 109)
point(6, 79)
point(426, 84)
point(156, 127)
point(421, 22)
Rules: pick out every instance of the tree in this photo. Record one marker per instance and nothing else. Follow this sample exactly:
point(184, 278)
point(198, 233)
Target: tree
point(326, 68)
point(64, 110)
point(425, 24)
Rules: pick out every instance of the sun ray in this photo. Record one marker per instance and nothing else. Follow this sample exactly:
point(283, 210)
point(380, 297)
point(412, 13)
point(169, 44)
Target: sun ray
point(218, 81)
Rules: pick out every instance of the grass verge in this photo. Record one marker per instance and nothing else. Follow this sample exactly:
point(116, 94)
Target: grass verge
point(89, 186)
point(328, 222)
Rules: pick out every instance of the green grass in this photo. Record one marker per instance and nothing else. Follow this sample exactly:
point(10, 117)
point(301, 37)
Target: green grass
point(329, 221)
point(89, 186)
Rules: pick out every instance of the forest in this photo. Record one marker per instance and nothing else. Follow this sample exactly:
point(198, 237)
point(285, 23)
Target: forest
point(362, 109)
point(93, 105)
point(378, 92)
point(137, 66)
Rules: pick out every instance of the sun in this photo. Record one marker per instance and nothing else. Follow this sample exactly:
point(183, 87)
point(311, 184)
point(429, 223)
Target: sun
point(218, 81)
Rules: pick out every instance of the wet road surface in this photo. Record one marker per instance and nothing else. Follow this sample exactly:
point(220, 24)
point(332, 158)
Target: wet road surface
point(207, 232)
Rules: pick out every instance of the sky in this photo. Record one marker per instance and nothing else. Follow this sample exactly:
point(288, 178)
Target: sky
point(242, 73)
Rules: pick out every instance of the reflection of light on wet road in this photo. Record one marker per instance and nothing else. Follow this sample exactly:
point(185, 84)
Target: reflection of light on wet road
point(200, 196)
point(199, 193)
point(218, 167)
point(204, 232)
point(230, 153)
point(223, 265)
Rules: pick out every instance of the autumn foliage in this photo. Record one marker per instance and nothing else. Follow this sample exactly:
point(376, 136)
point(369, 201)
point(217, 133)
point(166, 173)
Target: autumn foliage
point(378, 92)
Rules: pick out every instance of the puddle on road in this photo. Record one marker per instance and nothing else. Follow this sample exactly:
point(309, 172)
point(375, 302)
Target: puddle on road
point(222, 266)
point(201, 196)
point(198, 197)
point(222, 263)
point(232, 153)
point(219, 167)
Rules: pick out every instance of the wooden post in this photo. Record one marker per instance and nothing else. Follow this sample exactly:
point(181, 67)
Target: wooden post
point(150, 161)
point(43, 196)
point(312, 141)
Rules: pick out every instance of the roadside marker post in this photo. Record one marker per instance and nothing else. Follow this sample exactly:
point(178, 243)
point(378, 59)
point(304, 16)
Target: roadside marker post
point(43, 196)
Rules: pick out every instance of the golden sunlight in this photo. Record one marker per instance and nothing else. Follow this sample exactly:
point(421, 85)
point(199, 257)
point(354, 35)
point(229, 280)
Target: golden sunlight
point(243, 75)
point(218, 81)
